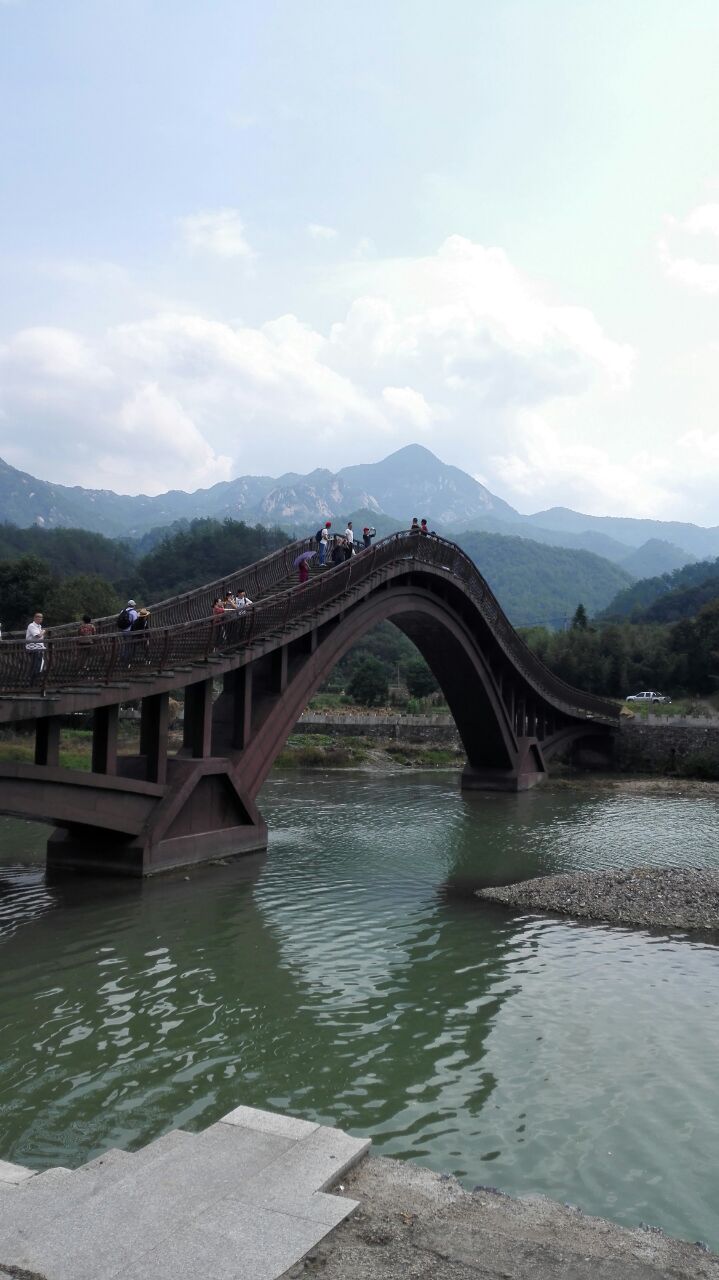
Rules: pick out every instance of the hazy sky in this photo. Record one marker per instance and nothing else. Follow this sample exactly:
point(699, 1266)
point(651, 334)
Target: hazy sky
point(267, 235)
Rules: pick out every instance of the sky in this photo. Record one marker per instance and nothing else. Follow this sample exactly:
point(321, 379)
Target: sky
point(258, 236)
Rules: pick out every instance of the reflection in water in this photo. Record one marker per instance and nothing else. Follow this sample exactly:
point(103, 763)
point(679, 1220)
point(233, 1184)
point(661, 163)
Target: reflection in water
point(346, 978)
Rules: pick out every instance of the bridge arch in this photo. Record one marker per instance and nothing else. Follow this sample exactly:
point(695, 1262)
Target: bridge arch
point(452, 652)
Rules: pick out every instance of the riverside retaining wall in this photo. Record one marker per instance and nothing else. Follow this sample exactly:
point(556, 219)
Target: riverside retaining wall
point(668, 747)
point(433, 730)
point(644, 745)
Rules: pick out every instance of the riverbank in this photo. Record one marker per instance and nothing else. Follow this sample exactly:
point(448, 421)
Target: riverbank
point(665, 898)
point(412, 1222)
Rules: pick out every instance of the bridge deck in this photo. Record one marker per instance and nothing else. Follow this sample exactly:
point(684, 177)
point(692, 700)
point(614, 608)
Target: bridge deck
point(186, 642)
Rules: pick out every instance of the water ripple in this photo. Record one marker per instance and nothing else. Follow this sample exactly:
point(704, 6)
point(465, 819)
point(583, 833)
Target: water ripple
point(351, 977)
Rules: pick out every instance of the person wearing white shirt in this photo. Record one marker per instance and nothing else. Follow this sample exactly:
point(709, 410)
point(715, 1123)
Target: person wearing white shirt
point(349, 535)
point(35, 645)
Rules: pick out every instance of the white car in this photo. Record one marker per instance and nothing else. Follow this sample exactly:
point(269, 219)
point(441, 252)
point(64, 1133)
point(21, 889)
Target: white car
point(650, 696)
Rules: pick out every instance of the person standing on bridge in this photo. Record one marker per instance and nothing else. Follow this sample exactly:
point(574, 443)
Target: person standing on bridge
point(125, 623)
point(35, 645)
point(323, 543)
point(414, 527)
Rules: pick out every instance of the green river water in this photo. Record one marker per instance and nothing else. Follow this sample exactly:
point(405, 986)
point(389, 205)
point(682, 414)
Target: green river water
point(350, 977)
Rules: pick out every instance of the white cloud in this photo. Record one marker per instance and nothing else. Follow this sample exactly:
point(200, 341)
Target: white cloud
point(410, 405)
point(220, 232)
point(544, 462)
point(459, 346)
point(318, 232)
point(364, 248)
point(699, 275)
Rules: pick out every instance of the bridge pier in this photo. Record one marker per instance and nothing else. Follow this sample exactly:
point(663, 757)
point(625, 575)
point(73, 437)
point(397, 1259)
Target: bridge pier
point(198, 810)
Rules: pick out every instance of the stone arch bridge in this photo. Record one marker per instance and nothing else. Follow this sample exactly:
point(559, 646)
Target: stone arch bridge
point(142, 813)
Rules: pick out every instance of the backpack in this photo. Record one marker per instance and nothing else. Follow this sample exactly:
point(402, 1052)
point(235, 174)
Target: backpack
point(318, 536)
point(123, 620)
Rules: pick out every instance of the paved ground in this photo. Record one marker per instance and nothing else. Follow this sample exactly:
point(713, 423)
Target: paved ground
point(246, 1200)
point(415, 1225)
point(241, 1201)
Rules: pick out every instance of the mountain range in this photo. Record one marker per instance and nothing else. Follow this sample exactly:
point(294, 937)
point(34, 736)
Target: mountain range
point(411, 481)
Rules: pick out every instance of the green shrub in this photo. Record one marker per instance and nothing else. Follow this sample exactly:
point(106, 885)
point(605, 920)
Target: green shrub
point(700, 764)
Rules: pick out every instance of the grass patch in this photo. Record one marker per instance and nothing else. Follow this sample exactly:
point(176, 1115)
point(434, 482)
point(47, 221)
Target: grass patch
point(426, 757)
point(680, 707)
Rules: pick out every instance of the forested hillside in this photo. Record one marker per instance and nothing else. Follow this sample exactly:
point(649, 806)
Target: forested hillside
point(70, 551)
point(679, 594)
point(68, 572)
point(206, 549)
point(541, 585)
point(620, 658)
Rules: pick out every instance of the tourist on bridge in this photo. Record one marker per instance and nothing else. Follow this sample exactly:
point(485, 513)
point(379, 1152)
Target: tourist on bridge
point(349, 535)
point(124, 626)
point(424, 527)
point(323, 539)
point(243, 600)
point(414, 527)
point(35, 645)
point(85, 630)
point(218, 613)
point(140, 637)
point(339, 550)
point(367, 535)
point(127, 617)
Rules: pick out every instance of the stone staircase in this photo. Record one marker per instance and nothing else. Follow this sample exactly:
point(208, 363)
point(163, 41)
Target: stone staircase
point(243, 1200)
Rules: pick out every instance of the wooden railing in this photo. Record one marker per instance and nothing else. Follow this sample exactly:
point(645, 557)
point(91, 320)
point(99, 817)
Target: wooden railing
point(175, 641)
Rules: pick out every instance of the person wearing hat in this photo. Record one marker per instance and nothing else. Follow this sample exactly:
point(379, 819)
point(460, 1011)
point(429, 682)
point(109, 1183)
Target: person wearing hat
point(367, 535)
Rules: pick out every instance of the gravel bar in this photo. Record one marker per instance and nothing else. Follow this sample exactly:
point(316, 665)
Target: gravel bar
point(667, 898)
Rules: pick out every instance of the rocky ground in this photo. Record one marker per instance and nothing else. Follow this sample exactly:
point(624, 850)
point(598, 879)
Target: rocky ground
point(412, 1224)
point(655, 898)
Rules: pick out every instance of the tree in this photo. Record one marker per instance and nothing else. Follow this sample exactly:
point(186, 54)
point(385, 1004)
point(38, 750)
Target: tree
point(420, 681)
point(85, 593)
point(25, 585)
point(580, 621)
point(370, 683)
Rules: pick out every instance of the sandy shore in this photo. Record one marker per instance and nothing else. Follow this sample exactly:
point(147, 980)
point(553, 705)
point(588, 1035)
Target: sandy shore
point(655, 898)
point(412, 1224)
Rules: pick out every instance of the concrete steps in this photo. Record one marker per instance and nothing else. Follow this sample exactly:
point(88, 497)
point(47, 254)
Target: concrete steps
point(244, 1200)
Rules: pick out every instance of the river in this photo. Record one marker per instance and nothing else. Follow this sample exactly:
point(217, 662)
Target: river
point(351, 977)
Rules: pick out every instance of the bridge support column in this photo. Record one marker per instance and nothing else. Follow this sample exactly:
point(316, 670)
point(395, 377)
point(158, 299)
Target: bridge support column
point(104, 739)
point(154, 724)
point(243, 707)
point(197, 728)
point(47, 741)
